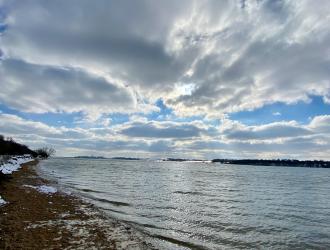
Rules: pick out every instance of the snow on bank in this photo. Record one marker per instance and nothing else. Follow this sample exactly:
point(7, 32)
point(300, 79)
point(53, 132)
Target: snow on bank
point(14, 163)
point(43, 189)
point(11, 165)
point(2, 201)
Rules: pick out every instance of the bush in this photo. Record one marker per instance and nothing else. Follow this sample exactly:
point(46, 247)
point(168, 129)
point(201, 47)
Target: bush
point(45, 152)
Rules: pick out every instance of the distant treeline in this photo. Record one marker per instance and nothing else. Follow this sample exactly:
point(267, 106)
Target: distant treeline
point(113, 158)
point(182, 159)
point(126, 158)
point(89, 157)
point(9, 147)
point(285, 162)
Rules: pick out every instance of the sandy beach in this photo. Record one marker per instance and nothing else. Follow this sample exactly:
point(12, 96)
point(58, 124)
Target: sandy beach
point(34, 218)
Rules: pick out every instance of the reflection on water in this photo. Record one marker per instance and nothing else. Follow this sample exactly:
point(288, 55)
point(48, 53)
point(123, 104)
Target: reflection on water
point(204, 205)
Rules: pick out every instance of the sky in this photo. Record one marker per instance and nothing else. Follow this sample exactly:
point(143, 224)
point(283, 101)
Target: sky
point(194, 79)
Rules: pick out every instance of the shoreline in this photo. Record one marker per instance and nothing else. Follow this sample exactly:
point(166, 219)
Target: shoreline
point(37, 216)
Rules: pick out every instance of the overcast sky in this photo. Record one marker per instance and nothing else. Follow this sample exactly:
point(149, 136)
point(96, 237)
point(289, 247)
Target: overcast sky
point(145, 78)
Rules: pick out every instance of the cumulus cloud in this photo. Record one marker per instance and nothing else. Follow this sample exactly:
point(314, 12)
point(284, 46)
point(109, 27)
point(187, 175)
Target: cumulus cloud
point(308, 141)
point(124, 39)
point(274, 140)
point(165, 130)
point(300, 148)
point(276, 130)
point(14, 125)
point(201, 57)
point(270, 51)
point(237, 55)
point(41, 88)
point(68, 141)
point(320, 124)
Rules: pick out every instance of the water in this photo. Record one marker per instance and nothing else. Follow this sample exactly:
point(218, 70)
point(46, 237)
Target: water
point(204, 205)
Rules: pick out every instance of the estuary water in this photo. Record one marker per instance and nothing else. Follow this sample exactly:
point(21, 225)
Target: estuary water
point(194, 205)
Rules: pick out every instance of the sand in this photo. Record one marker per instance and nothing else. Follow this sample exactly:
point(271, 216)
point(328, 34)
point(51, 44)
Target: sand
point(37, 216)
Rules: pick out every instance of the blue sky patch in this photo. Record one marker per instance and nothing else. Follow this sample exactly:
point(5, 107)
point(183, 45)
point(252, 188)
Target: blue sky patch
point(3, 27)
point(51, 119)
point(118, 118)
point(301, 112)
point(165, 113)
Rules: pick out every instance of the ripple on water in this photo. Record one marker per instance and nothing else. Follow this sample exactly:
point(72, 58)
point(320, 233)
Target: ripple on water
point(207, 206)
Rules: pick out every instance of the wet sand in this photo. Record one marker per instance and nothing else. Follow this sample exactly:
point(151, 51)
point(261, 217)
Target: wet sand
point(35, 220)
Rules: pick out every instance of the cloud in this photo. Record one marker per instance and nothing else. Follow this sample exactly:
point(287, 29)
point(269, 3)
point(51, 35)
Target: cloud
point(273, 140)
point(164, 130)
point(275, 130)
point(203, 58)
point(18, 127)
point(272, 51)
point(68, 141)
point(14, 125)
point(87, 35)
point(41, 88)
point(320, 124)
point(310, 141)
point(299, 148)
point(238, 55)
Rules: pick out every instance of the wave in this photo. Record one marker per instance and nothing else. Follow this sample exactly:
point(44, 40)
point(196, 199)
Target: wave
point(188, 192)
point(116, 203)
point(89, 190)
point(179, 242)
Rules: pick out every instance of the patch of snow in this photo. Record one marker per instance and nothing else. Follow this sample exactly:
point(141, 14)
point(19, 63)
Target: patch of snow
point(2, 201)
point(14, 164)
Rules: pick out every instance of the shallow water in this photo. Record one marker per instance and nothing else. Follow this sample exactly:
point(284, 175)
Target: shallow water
point(203, 205)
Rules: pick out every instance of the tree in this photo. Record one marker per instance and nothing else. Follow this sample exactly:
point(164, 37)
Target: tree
point(45, 152)
point(9, 147)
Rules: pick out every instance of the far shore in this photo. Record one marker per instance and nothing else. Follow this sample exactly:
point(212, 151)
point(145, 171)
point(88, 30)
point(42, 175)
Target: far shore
point(31, 219)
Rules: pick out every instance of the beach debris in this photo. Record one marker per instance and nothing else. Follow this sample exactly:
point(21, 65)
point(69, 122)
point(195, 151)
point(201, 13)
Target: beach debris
point(14, 163)
point(43, 189)
point(2, 201)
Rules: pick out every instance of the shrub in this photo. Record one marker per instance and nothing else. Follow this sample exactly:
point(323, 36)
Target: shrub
point(45, 152)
